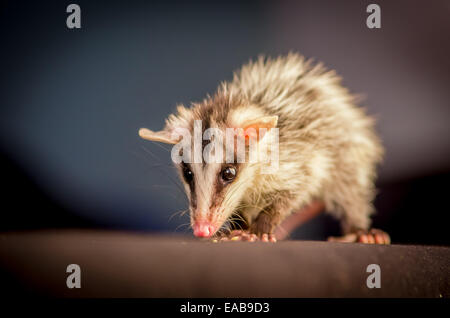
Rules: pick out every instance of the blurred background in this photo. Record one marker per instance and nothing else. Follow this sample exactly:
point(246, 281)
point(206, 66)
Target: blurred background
point(72, 100)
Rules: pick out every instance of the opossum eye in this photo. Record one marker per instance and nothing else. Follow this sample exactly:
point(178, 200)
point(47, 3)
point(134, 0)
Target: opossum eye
point(188, 175)
point(228, 174)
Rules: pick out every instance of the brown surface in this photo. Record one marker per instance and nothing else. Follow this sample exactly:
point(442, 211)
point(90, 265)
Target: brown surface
point(131, 265)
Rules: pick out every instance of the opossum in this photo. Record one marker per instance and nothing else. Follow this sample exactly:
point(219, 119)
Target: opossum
point(328, 152)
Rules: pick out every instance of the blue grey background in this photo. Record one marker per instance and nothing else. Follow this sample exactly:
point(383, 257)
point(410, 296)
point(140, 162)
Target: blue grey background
point(73, 100)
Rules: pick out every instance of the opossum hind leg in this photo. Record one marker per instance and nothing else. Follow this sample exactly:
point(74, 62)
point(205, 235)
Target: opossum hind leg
point(372, 236)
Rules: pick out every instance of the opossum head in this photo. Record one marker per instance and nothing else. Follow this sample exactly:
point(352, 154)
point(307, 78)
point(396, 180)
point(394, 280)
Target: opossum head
point(215, 187)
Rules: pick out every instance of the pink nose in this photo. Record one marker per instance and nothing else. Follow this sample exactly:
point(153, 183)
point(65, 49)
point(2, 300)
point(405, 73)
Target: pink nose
point(203, 229)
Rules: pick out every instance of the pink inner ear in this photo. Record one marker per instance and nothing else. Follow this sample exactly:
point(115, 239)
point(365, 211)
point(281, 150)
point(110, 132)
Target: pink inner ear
point(255, 132)
point(251, 133)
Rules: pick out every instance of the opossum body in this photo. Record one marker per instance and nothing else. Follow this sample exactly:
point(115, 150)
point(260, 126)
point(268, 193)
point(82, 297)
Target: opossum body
point(328, 151)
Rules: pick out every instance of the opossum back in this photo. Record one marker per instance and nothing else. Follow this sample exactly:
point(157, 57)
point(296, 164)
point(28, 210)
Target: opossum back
point(279, 82)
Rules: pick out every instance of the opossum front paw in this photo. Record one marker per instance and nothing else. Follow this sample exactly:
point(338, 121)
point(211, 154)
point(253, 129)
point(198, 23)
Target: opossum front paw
point(262, 227)
point(372, 236)
point(240, 235)
point(246, 236)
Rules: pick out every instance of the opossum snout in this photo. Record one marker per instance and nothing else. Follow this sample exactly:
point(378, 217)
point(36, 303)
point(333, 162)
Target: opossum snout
point(204, 228)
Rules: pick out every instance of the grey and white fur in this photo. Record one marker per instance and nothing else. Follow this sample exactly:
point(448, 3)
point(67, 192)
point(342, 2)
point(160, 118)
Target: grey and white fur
point(328, 151)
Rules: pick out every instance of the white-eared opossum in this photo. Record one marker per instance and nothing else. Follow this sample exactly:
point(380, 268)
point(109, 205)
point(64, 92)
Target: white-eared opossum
point(327, 151)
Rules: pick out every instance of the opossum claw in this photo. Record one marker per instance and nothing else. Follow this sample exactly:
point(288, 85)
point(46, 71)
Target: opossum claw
point(272, 238)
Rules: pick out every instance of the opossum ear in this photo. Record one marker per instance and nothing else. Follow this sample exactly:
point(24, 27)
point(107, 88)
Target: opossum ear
point(252, 128)
point(161, 136)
